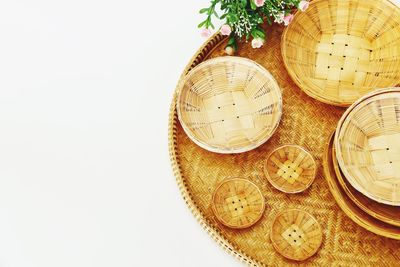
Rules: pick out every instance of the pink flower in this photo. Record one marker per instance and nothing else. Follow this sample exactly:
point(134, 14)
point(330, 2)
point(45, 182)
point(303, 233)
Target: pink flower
point(226, 29)
point(303, 5)
point(257, 42)
point(259, 3)
point(205, 33)
point(287, 19)
point(279, 18)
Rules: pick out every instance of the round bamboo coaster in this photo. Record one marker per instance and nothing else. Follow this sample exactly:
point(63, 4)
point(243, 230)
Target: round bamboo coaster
point(238, 203)
point(290, 169)
point(385, 213)
point(368, 148)
point(338, 50)
point(348, 206)
point(229, 105)
point(296, 234)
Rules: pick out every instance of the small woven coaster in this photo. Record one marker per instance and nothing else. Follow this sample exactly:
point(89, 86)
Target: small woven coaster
point(238, 203)
point(296, 234)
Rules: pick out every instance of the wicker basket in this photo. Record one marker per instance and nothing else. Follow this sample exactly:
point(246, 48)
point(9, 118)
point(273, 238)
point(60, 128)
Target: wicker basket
point(238, 203)
point(229, 105)
point(353, 211)
point(368, 147)
point(338, 50)
point(385, 213)
point(296, 234)
point(290, 169)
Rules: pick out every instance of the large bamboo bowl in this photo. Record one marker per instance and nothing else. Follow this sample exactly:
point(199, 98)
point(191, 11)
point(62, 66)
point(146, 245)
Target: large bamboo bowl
point(229, 105)
point(338, 50)
point(367, 143)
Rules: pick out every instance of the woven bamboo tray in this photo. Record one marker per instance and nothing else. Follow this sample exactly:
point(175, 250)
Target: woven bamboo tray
point(305, 122)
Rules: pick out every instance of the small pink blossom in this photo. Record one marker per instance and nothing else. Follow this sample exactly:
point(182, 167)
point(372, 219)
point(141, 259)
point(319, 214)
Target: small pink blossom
point(259, 3)
point(257, 42)
point(287, 19)
point(205, 33)
point(303, 5)
point(279, 18)
point(226, 29)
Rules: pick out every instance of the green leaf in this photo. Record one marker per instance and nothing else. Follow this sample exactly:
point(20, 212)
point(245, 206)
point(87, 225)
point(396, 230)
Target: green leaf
point(243, 3)
point(215, 13)
point(202, 24)
point(203, 10)
point(253, 5)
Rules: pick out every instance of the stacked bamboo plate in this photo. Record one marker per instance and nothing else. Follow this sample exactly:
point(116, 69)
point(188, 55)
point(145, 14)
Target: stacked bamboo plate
point(365, 157)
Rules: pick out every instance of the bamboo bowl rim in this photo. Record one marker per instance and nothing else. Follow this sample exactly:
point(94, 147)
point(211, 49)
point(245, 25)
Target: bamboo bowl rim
point(284, 188)
point(265, 134)
point(367, 98)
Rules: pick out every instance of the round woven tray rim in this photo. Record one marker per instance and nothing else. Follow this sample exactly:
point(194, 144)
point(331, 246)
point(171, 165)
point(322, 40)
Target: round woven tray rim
point(244, 180)
point(368, 98)
point(294, 191)
point(249, 63)
point(308, 214)
point(202, 220)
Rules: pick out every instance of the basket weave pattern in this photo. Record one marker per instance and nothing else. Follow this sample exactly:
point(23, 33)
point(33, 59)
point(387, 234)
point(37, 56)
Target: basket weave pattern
point(338, 50)
point(229, 105)
point(368, 147)
point(305, 122)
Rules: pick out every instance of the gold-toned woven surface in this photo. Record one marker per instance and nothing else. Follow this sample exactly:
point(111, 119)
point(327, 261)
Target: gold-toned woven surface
point(238, 203)
point(305, 122)
point(338, 50)
point(290, 168)
point(229, 104)
point(368, 147)
point(296, 234)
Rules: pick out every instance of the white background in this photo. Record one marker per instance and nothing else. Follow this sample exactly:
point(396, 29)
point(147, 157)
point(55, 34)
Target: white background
point(85, 177)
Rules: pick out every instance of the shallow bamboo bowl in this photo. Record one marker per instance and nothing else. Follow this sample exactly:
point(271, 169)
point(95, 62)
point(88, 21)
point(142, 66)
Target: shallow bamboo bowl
point(339, 50)
point(229, 105)
point(367, 144)
point(296, 234)
point(238, 203)
point(290, 169)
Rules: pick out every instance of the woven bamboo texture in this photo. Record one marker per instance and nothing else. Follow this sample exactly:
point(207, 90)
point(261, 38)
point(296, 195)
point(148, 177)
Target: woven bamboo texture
point(229, 104)
point(296, 234)
point(338, 50)
point(385, 213)
point(368, 147)
point(290, 169)
point(306, 122)
point(348, 206)
point(238, 203)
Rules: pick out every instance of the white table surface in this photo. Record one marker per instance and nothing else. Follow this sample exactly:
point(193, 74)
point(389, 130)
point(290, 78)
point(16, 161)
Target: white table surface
point(85, 177)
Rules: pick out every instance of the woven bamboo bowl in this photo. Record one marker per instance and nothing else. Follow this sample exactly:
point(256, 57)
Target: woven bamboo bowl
point(296, 234)
point(229, 105)
point(367, 144)
point(290, 169)
point(238, 203)
point(338, 50)
point(385, 213)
